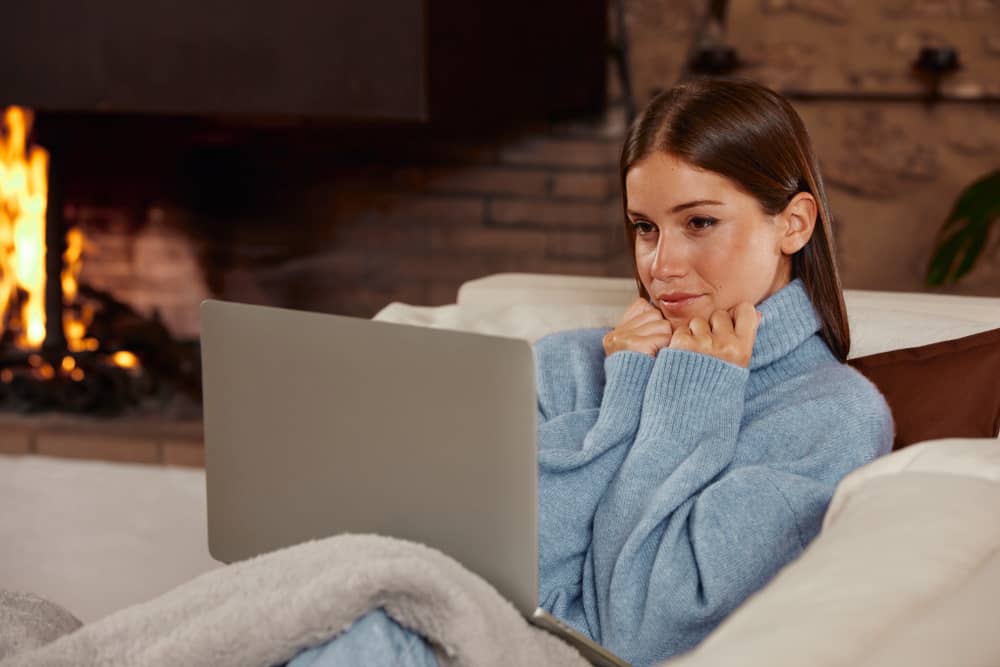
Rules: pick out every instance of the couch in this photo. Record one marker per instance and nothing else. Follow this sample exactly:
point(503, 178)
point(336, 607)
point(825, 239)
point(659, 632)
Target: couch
point(905, 571)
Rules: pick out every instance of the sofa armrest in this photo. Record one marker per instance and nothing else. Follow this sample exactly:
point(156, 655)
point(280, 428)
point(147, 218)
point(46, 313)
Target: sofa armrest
point(910, 541)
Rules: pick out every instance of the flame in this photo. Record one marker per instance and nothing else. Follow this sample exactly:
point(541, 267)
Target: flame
point(23, 196)
point(125, 359)
point(72, 263)
point(75, 326)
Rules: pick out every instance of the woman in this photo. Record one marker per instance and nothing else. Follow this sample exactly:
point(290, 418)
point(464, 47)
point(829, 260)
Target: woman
point(690, 452)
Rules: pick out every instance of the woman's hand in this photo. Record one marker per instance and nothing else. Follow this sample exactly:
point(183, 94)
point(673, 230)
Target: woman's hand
point(728, 335)
point(642, 329)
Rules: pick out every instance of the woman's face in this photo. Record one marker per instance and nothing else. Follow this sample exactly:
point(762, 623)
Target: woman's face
point(695, 257)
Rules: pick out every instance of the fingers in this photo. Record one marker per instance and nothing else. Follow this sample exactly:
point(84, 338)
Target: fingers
point(699, 327)
point(644, 324)
point(642, 329)
point(696, 337)
point(747, 320)
point(638, 313)
point(636, 308)
point(642, 319)
point(654, 328)
point(722, 323)
point(683, 340)
point(727, 335)
point(622, 335)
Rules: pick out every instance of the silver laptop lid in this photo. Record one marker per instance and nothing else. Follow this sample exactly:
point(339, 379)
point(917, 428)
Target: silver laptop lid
point(322, 424)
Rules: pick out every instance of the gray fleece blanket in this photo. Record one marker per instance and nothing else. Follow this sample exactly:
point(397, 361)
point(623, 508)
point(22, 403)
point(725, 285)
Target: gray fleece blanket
point(265, 610)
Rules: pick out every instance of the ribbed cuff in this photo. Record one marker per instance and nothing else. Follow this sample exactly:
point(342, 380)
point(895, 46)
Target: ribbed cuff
point(688, 390)
point(626, 374)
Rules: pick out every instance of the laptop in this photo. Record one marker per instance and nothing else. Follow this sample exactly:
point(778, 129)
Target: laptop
point(321, 424)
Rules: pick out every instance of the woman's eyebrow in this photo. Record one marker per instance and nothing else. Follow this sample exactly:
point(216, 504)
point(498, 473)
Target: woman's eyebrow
point(699, 202)
point(680, 207)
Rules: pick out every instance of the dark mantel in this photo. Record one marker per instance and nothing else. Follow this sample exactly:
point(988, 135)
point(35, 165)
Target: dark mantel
point(381, 61)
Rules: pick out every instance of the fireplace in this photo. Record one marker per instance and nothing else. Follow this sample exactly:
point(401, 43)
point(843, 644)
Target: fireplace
point(167, 189)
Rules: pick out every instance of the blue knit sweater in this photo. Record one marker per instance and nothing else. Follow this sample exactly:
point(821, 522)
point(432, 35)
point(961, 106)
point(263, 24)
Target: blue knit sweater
point(671, 489)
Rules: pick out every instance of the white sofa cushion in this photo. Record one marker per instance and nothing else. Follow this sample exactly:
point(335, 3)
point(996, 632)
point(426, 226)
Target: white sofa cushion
point(530, 306)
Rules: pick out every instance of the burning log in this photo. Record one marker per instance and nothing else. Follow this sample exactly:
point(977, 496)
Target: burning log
point(166, 360)
point(85, 383)
point(27, 392)
point(105, 389)
point(108, 380)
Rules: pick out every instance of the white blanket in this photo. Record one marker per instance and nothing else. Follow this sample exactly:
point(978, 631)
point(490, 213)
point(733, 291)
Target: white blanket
point(265, 610)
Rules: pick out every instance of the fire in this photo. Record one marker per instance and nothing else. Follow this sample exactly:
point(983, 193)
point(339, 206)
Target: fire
point(23, 200)
point(23, 197)
point(125, 359)
point(75, 325)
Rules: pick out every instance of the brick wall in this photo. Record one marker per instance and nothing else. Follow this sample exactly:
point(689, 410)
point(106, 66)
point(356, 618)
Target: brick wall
point(410, 226)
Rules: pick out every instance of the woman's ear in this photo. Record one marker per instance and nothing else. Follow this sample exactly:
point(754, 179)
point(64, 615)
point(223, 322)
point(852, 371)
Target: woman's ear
point(799, 219)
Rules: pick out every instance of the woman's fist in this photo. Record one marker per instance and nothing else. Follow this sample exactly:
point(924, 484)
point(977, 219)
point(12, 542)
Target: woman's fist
point(642, 329)
point(727, 335)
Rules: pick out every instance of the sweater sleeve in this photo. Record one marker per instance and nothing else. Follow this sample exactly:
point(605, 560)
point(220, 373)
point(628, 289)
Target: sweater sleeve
point(579, 449)
point(681, 536)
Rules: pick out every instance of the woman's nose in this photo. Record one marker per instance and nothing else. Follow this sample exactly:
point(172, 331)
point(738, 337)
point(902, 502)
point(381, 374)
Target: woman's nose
point(670, 260)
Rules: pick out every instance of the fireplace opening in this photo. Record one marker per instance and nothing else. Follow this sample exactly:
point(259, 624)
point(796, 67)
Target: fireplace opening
point(66, 345)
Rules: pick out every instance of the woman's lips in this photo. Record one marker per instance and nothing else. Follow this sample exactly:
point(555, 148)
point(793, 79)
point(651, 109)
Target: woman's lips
point(678, 302)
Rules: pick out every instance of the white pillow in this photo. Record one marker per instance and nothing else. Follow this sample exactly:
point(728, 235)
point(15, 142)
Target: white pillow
point(876, 325)
point(528, 305)
point(527, 321)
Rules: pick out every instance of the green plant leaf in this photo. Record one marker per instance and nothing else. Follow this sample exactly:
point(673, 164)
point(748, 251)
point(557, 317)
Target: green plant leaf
point(963, 235)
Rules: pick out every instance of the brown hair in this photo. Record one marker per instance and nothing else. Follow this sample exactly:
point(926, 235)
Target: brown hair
point(751, 135)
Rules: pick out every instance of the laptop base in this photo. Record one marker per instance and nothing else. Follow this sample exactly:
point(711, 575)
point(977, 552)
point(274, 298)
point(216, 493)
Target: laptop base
point(592, 652)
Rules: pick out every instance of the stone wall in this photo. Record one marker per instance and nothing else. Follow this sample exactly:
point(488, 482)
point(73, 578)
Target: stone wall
point(893, 168)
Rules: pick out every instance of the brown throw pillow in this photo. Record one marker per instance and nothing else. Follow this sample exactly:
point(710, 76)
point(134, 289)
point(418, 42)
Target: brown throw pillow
point(942, 390)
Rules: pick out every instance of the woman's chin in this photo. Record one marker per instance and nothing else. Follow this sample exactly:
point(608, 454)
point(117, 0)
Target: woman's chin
point(681, 321)
point(680, 318)
point(678, 323)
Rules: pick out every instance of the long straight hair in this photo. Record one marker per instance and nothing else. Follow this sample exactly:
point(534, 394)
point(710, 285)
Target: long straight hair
point(752, 136)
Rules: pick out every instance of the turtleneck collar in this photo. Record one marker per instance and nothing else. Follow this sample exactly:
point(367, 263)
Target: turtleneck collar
point(789, 320)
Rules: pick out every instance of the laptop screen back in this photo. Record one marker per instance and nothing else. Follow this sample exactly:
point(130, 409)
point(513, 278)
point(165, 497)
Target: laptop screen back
point(321, 424)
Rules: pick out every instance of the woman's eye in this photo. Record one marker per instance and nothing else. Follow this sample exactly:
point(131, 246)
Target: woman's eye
point(642, 227)
point(702, 223)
